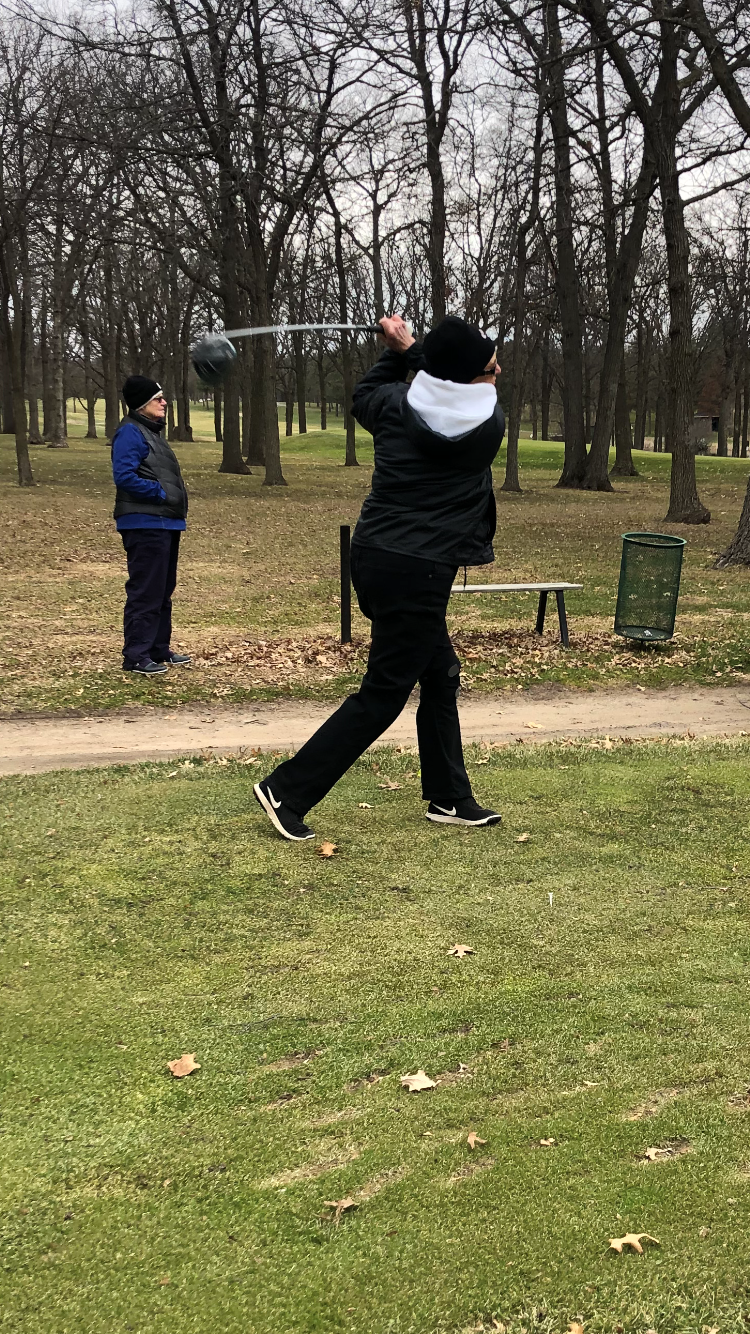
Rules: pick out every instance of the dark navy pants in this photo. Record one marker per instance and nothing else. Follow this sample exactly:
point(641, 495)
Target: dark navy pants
point(406, 599)
point(152, 574)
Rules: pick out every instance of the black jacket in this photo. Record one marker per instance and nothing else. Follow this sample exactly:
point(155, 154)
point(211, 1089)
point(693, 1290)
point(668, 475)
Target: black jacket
point(160, 465)
point(431, 496)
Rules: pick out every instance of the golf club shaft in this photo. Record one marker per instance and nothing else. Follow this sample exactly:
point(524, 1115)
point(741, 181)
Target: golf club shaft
point(297, 328)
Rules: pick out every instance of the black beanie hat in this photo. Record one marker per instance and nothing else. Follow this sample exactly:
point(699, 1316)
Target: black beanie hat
point(138, 390)
point(457, 351)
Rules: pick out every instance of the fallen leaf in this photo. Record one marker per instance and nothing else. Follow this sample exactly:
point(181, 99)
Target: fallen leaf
point(50, 832)
point(173, 774)
point(460, 951)
point(164, 1280)
point(168, 1182)
point(608, 743)
point(474, 1139)
point(327, 849)
point(632, 1239)
point(416, 1083)
point(703, 1232)
point(547, 1143)
point(642, 689)
point(498, 1324)
point(185, 1066)
point(523, 838)
point(538, 727)
point(365, 806)
point(575, 1327)
point(340, 1207)
point(390, 785)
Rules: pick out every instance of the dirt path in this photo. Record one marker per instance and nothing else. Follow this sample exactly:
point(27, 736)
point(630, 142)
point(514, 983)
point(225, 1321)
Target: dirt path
point(130, 736)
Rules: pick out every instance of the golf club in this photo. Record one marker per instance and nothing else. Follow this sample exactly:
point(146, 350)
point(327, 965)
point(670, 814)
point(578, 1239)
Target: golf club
point(213, 355)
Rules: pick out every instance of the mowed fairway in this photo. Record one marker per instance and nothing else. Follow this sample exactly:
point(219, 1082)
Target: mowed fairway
point(257, 599)
point(150, 912)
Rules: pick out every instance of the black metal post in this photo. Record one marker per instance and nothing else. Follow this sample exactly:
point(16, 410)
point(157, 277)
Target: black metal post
point(346, 583)
point(562, 619)
point(541, 613)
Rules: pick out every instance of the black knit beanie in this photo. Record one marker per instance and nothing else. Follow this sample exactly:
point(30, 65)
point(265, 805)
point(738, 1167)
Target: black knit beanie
point(457, 351)
point(138, 390)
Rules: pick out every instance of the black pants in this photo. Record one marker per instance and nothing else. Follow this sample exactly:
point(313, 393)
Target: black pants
point(152, 574)
point(406, 599)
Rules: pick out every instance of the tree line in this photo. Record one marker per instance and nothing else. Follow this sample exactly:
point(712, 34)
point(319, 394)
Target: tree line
point(570, 174)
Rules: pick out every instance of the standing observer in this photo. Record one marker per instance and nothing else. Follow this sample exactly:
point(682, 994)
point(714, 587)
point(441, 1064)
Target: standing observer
point(431, 509)
point(150, 510)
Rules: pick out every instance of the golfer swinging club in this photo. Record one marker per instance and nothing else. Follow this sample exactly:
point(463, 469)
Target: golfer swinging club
point(431, 509)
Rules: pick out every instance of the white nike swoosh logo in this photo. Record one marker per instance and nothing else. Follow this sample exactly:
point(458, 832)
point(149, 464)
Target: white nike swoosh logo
point(272, 799)
point(452, 810)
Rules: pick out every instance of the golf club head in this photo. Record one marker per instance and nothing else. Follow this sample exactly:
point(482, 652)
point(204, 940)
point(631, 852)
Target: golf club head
point(212, 358)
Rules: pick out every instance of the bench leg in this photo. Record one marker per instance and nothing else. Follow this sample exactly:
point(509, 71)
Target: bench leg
point(541, 613)
point(564, 640)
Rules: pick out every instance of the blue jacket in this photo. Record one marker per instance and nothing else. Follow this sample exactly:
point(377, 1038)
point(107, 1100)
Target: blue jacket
point(129, 449)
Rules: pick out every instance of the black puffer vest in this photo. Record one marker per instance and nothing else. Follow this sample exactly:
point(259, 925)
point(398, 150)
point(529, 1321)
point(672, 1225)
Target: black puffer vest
point(160, 465)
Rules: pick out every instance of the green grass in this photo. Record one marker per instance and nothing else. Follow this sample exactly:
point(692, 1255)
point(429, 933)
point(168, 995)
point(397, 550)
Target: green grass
point(258, 586)
point(150, 911)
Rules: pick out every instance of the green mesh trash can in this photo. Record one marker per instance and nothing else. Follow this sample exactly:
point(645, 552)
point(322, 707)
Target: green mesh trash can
point(649, 586)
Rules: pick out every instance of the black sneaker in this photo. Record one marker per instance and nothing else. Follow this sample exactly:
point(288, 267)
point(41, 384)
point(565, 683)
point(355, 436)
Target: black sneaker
point(285, 820)
point(146, 667)
point(466, 812)
point(175, 659)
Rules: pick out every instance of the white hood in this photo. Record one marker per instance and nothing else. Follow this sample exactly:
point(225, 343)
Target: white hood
point(448, 408)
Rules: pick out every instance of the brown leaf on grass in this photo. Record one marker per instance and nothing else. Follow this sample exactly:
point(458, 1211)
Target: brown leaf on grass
point(498, 1325)
point(632, 1239)
point(547, 1143)
point(365, 806)
point(674, 1148)
point(339, 1207)
point(327, 849)
point(164, 1280)
point(523, 838)
point(185, 1065)
point(418, 1082)
point(575, 1327)
point(390, 785)
point(460, 951)
point(473, 1139)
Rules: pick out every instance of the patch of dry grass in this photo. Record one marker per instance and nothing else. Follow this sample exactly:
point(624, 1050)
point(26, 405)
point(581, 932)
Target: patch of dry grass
point(257, 599)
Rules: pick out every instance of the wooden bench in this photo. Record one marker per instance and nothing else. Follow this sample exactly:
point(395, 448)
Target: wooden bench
point(543, 590)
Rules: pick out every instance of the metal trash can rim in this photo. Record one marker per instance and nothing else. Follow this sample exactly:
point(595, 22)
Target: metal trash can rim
point(655, 539)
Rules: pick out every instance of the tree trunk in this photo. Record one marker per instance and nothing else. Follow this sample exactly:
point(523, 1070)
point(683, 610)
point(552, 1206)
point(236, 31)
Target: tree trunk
point(8, 426)
point(546, 384)
point(88, 377)
point(623, 465)
point(612, 411)
point(12, 337)
point(44, 359)
point(57, 344)
point(217, 414)
point(685, 505)
point(745, 409)
point(661, 404)
point(289, 405)
point(300, 372)
point(737, 416)
point(574, 465)
point(725, 408)
point(641, 390)
point(738, 551)
point(322, 390)
point(112, 408)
